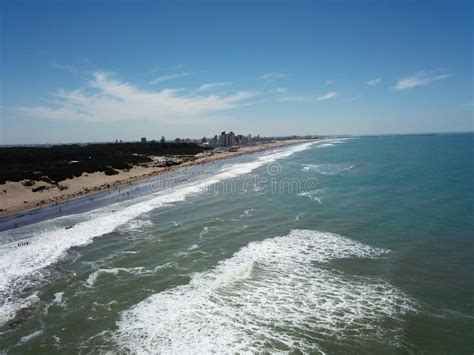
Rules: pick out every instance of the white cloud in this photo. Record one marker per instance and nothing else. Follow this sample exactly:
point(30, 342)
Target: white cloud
point(419, 79)
point(273, 76)
point(374, 82)
point(168, 77)
point(295, 98)
point(67, 67)
point(306, 98)
point(106, 99)
point(283, 95)
point(330, 82)
point(327, 96)
point(210, 86)
point(354, 98)
point(280, 90)
point(161, 69)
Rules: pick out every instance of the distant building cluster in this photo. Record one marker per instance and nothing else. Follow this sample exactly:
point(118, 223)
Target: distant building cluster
point(229, 139)
point(225, 139)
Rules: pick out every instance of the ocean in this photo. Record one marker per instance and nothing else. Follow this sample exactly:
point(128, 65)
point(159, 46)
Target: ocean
point(361, 245)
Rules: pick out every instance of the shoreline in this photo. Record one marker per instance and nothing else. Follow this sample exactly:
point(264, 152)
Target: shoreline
point(19, 201)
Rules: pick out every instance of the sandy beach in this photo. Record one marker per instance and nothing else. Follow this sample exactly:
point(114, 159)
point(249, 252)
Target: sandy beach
point(16, 198)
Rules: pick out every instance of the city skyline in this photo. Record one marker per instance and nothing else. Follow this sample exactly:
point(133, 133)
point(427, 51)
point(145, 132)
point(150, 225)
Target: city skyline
point(278, 69)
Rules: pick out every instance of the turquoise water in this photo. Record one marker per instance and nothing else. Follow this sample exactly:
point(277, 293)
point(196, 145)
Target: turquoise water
point(359, 245)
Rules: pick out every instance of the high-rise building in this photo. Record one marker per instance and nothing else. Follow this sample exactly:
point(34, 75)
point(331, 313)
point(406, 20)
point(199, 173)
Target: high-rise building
point(222, 139)
point(143, 140)
point(230, 139)
point(163, 140)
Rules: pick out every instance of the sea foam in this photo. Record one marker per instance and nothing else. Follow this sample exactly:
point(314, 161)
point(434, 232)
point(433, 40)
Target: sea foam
point(328, 169)
point(313, 195)
point(275, 295)
point(91, 280)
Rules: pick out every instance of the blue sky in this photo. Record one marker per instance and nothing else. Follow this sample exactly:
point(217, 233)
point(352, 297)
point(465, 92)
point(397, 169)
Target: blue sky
point(104, 70)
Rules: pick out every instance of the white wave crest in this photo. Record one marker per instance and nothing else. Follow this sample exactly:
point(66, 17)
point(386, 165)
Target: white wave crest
point(137, 224)
point(313, 195)
point(91, 280)
point(328, 169)
point(28, 337)
point(332, 142)
point(248, 212)
point(324, 145)
point(269, 296)
point(58, 297)
point(11, 306)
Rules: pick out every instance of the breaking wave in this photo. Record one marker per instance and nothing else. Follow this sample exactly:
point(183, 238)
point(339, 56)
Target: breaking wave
point(276, 296)
point(91, 280)
point(136, 225)
point(328, 169)
point(331, 142)
point(313, 195)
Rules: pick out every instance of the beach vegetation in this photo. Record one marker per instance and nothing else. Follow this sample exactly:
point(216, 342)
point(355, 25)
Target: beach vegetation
point(60, 162)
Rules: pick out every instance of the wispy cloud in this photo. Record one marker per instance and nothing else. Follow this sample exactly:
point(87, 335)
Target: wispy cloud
point(107, 99)
point(304, 98)
point(354, 98)
point(327, 96)
point(419, 79)
point(294, 98)
point(210, 86)
point(161, 69)
point(168, 77)
point(67, 67)
point(273, 76)
point(374, 82)
point(330, 82)
point(280, 90)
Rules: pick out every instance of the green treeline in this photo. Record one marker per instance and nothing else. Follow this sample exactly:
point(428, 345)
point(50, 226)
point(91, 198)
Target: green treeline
point(66, 161)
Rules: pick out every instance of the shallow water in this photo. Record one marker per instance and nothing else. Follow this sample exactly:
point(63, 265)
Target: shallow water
point(358, 245)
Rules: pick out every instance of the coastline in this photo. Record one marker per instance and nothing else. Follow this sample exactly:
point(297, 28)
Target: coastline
point(18, 200)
